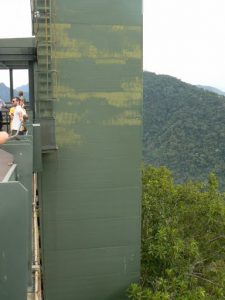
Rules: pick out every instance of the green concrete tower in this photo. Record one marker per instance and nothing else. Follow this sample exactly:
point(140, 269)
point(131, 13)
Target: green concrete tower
point(89, 103)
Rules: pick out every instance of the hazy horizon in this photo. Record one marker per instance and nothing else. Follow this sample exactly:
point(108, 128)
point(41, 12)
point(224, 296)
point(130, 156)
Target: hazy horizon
point(183, 39)
point(24, 84)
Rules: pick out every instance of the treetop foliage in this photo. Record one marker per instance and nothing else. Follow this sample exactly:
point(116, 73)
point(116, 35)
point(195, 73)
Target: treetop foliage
point(183, 239)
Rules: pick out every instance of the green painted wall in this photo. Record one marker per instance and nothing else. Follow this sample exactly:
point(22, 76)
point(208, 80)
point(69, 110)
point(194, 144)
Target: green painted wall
point(14, 243)
point(22, 151)
point(91, 186)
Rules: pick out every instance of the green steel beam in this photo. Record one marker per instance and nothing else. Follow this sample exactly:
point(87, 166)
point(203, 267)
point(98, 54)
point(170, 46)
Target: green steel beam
point(90, 188)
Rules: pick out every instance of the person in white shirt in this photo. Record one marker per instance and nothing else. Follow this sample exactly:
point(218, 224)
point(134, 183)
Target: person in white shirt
point(23, 128)
point(2, 104)
point(18, 116)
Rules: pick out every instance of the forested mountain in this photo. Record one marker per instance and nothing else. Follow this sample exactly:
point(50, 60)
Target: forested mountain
point(24, 88)
point(5, 91)
point(184, 128)
point(212, 89)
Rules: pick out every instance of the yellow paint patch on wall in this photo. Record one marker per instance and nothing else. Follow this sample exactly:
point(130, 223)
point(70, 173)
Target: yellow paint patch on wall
point(92, 52)
point(67, 136)
point(132, 51)
point(46, 113)
point(77, 48)
point(66, 54)
point(122, 99)
point(59, 30)
point(116, 28)
point(135, 85)
point(134, 28)
point(66, 118)
point(111, 61)
point(65, 92)
point(127, 118)
point(116, 99)
point(61, 26)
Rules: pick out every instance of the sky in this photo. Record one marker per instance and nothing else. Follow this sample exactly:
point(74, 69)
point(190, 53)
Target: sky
point(181, 38)
point(15, 21)
point(186, 39)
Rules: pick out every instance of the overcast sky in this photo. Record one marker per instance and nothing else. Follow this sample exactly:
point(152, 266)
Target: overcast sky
point(186, 39)
point(15, 21)
point(182, 38)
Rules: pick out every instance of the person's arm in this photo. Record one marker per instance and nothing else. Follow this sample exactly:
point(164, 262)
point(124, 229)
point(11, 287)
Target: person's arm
point(11, 114)
point(21, 116)
point(25, 115)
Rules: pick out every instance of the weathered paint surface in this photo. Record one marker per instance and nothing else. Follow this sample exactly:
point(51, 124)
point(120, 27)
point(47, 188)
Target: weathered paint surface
point(91, 186)
point(14, 243)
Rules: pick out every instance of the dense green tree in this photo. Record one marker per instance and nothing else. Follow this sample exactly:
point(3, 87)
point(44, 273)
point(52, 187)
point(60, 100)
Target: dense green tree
point(184, 128)
point(183, 239)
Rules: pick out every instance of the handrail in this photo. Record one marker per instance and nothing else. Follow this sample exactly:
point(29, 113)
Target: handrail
point(9, 173)
point(36, 247)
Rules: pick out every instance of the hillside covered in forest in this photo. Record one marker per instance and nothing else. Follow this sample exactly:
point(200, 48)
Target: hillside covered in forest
point(5, 91)
point(184, 128)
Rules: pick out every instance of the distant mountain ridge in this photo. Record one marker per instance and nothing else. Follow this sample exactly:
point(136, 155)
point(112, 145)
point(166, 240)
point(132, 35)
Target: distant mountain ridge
point(24, 88)
point(211, 89)
point(184, 128)
point(5, 91)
